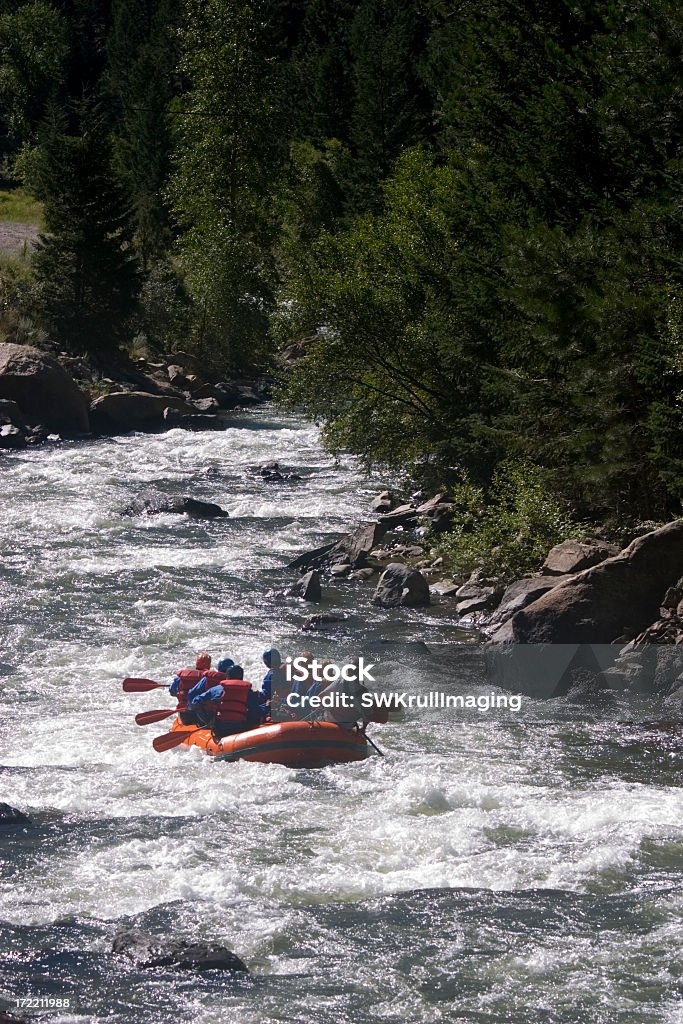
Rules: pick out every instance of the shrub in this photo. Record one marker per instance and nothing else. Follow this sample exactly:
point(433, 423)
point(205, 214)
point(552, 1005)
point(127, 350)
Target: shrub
point(506, 532)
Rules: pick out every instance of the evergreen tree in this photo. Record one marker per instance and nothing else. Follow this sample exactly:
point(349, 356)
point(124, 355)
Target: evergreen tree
point(391, 107)
point(142, 51)
point(86, 276)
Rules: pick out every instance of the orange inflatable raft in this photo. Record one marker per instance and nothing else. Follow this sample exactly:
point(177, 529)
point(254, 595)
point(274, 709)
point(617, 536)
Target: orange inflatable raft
point(293, 744)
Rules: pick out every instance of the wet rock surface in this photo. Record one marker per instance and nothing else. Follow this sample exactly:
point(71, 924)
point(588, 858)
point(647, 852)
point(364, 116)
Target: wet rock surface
point(147, 951)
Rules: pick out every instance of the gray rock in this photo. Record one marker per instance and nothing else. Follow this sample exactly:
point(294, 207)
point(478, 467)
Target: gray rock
point(312, 559)
point(401, 516)
point(441, 519)
point(362, 574)
point(430, 506)
point(355, 548)
point(401, 586)
point(43, 390)
point(146, 950)
point(10, 817)
point(11, 413)
point(571, 556)
point(521, 593)
point(206, 405)
point(308, 588)
point(121, 411)
point(477, 597)
point(322, 619)
point(196, 421)
point(445, 588)
point(586, 687)
point(153, 506)
point(341, 569)
point(600, 603)
point(384, 502)
point(11, 437)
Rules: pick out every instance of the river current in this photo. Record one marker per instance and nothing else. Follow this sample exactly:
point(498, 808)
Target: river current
point(504, 867)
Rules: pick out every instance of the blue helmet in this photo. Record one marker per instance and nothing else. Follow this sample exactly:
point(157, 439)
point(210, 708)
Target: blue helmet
point(224, 664)
point(271, 657)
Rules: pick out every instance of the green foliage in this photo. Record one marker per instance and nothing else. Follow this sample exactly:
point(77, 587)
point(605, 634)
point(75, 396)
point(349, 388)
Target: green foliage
point(164, 311)
point(507, 531)
point(86, 276)
point(399, 369)
point(227, 151)
point(16, 285)
point(19, 207)
point(33, 52)
point(140, 79)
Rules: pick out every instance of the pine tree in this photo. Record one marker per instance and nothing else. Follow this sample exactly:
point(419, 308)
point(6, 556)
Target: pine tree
point(142, 51)
point(86, 276)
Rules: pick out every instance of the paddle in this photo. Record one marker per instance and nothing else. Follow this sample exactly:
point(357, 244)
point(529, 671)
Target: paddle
point(171, 739)
point(368, 740)
point(147, 717)
point(133, 685)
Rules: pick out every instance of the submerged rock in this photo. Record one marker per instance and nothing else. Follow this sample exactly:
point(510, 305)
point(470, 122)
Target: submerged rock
point(175, 506)
point(322, 619)
point(401, 586)
point(10, 817)
point(145, 950)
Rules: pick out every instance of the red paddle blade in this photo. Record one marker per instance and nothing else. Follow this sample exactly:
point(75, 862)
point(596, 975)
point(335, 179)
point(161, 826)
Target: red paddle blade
point(171, 739)
point(147, 717)
point(132, 685)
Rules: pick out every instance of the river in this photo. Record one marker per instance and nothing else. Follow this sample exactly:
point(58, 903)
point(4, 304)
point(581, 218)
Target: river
point(511, 867)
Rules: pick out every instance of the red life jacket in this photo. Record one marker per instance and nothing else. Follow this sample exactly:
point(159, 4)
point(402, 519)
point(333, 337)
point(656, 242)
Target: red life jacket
point(214, 677)
point(189, 677)
point(233, 705)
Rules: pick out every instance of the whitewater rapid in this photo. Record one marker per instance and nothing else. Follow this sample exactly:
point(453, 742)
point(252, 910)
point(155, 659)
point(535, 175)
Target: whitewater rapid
point(552, 846)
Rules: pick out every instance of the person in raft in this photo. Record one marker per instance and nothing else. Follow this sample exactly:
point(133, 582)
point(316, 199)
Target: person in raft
point(193, 681)
point(274, 678)
point(349, 716)
point(230, 706)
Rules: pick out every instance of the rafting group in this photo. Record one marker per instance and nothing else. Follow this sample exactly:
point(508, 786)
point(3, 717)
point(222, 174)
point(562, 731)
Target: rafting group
point(221, 712)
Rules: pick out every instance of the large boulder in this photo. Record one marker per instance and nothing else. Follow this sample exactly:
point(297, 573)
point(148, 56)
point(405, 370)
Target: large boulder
point(43, 390)
point(621, 594)
point(573, 556)
point(521, 593)
point(121, 411)
point(401, 586)
point(146, 950)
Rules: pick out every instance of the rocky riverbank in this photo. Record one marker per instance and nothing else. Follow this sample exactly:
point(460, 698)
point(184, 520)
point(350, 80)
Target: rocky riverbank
point(586, 594)
point(46, 397)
